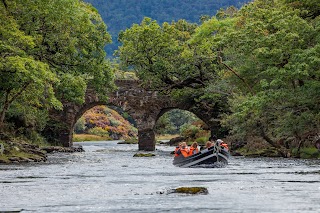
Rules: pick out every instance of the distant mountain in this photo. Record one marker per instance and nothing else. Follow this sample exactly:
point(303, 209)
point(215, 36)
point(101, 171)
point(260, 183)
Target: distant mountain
point(121, 14)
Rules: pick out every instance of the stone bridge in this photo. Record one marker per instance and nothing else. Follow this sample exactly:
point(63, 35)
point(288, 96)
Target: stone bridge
point(144, 106)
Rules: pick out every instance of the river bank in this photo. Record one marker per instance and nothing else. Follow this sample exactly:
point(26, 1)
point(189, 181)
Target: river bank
point(18, 150)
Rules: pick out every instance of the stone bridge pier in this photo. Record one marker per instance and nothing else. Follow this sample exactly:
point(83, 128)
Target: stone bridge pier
point(144, 106)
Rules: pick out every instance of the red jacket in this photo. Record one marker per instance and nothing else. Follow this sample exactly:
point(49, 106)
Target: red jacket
point(224, 145)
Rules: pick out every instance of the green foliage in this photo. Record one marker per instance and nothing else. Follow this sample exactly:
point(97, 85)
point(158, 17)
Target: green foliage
point(69, 37)
point(80, 127)
point(72, 88)
point(147, 48)
point(266, 56)
point(189, 131)
point(163, 58)
point(120, 15)
point(164, 125)
point(172, 121)
point(98, 131)
point(194, 131)
point(27, 116)
point(24, 79)
point(309, 8)
point(125, 75)
point(202, 140)
point(50, 51)
point(306, 153)
point(87, 137)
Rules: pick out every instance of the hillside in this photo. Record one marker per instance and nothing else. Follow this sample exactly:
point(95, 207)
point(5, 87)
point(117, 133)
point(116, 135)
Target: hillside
point(103, 121)
point(121, 14)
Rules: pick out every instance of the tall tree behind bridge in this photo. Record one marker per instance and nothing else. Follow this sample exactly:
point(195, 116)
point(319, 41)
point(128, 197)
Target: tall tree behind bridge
point(121, 14)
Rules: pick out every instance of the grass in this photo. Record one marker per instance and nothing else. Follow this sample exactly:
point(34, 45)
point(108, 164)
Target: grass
point(87, 137)
point(166, 137)
point(129, 141)
point(307, 153)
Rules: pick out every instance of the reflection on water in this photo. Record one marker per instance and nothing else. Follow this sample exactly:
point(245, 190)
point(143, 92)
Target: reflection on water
point(106, 178)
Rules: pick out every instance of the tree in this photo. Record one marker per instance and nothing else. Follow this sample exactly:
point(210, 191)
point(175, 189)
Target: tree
point(70, 37)
point(272, 56)
point(167, 58)
point(51, 50)
point(163, 58)
point(119, 15)
point(23, 78)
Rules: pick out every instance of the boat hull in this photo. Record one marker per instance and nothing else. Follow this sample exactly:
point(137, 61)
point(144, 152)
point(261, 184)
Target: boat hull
point(206, 158)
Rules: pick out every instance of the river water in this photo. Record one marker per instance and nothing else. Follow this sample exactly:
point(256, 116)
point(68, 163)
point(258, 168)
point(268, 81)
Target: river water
point(107, 178)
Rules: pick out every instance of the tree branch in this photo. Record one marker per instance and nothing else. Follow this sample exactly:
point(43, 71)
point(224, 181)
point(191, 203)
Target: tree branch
point(19, 93)
point(5, 4)
point(236, 74)
point(191, 82)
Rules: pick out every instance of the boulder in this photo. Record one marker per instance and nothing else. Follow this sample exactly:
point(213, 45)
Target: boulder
point(176, 141)
point(191, 190)
point(51, 149)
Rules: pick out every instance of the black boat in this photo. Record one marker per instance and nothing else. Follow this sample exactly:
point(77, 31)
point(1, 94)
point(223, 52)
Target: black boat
point(210, 157)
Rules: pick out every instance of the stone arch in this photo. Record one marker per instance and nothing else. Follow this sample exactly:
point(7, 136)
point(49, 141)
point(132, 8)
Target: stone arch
point(143, 104)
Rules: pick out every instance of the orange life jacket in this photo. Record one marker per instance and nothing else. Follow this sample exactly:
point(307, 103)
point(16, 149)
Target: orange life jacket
point(224, 145)
point(185, 152)
point(193, 151)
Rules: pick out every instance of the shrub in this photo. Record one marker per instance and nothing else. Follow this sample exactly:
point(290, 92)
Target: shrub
point(202, 140)
point(189, 131)
point(98, 131)
point(306, 152)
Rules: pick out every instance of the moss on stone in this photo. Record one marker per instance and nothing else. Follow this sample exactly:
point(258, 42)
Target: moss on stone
point(144, 155)
point(191, 190)
point(19, 151)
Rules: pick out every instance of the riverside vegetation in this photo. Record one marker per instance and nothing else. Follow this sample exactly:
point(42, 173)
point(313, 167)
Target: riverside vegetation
point(258, 64)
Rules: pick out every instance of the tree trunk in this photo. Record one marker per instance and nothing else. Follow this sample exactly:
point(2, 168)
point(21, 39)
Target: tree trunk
point(5, 4)
point(270, 141)
point(8, 102)
point(4, 110)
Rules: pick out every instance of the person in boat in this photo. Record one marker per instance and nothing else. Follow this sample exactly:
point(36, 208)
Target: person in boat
point(184, 149)
point(209, 144)
point(177, 151)
point(213, 138)
point(223, 144)
point(193, 149)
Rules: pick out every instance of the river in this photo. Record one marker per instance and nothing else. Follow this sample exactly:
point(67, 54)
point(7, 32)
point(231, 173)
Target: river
point(107, 178)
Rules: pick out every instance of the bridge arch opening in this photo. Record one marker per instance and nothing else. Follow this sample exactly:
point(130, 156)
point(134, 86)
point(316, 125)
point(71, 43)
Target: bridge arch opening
point(181, 124)
point(102, 122)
